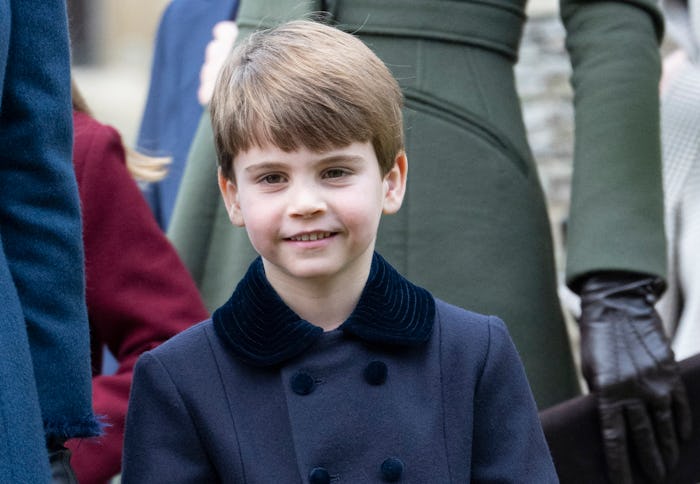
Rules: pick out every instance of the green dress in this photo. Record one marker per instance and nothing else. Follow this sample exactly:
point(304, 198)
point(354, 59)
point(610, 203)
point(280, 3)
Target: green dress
point(474, 228)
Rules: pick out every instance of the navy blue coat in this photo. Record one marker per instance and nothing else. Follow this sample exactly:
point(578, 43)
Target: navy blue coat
point(44, 342)
point(409, 388)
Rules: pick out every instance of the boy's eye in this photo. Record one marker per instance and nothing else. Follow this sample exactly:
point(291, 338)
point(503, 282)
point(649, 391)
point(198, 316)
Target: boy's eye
point(335, 173)
point(272, 178)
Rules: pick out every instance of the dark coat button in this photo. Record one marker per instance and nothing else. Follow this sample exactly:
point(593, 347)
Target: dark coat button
point(319, 475)
point(392, 468)
point(302, 383)
point(375, 373)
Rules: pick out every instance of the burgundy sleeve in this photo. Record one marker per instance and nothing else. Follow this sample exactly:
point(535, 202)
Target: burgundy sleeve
point(138, 291)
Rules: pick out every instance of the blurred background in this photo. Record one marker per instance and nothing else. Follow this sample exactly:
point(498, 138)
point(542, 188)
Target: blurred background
point(112, 45)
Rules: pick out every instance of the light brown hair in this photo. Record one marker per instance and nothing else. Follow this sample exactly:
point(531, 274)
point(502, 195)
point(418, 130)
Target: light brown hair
point(306, 84)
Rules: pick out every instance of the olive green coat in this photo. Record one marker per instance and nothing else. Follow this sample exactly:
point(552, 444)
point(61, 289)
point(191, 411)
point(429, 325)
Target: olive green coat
point(474, 228)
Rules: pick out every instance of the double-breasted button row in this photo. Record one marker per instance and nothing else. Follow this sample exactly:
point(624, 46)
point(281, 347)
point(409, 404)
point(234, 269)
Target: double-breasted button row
point(391, 469)
point(375, 373)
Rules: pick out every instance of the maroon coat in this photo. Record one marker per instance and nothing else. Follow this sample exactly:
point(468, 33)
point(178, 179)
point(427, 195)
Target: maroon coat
point(138, 291)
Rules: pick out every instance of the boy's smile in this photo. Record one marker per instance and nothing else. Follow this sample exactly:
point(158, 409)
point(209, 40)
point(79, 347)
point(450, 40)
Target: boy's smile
point(313, 236)
point(313, 217)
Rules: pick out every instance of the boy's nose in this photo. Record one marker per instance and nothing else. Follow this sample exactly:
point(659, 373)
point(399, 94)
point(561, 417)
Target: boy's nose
point(305, 201)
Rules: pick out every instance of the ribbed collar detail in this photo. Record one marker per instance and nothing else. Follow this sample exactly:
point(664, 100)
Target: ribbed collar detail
point(261, 330)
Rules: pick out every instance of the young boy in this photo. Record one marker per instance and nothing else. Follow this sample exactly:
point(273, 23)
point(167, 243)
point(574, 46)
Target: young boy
point(326, 365)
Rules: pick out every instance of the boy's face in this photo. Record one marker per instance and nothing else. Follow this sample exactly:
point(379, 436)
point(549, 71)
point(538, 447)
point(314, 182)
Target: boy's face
point(313, 215)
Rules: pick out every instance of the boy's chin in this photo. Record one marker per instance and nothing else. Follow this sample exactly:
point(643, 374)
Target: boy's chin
point(310, 272)
point(321, 270)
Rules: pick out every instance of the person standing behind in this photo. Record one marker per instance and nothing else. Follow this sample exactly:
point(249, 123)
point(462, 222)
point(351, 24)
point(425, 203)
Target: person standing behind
point(45, 386)
point(139, 293)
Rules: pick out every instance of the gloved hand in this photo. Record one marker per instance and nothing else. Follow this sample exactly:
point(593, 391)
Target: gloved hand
point(628, 363)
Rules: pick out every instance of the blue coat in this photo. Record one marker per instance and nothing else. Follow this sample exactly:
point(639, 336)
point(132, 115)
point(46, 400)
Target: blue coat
point(44, 346)
point(409, 388)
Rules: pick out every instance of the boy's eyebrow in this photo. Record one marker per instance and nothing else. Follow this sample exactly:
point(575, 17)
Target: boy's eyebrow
point(341, 158)
point(278, 165)
point(265, 165)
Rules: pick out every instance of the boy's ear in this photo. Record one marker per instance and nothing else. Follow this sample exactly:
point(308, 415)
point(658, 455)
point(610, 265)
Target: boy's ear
point(395, 184)
point(229, 192)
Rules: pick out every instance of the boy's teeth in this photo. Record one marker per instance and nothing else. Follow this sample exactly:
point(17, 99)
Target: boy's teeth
point(314, 236)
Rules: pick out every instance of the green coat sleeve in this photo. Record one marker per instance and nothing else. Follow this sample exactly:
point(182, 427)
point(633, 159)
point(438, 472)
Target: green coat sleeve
point(616, 219)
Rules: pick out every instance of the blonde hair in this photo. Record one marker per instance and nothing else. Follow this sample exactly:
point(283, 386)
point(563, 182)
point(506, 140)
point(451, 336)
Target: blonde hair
point(305, 84)
point(142, 167)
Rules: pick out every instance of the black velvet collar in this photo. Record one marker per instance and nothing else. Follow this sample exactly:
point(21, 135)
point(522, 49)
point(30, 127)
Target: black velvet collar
point(262, 330)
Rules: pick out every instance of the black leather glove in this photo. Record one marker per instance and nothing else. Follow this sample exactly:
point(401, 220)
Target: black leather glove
point(628, 363)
